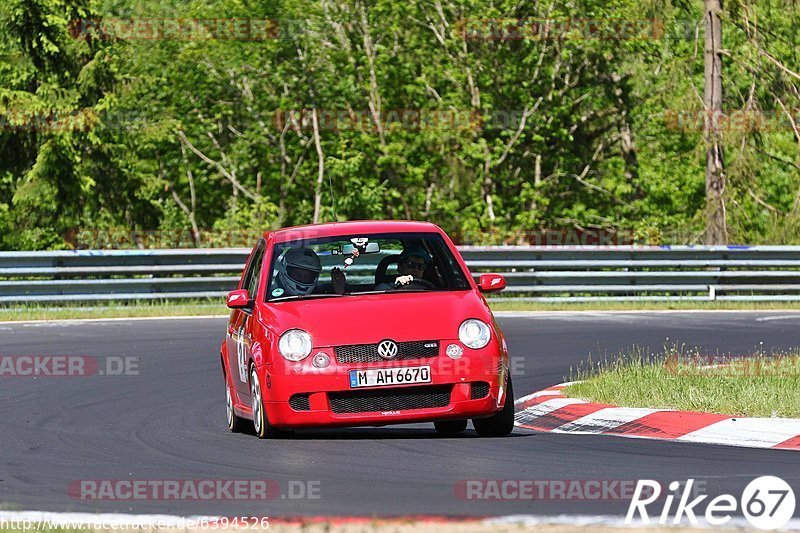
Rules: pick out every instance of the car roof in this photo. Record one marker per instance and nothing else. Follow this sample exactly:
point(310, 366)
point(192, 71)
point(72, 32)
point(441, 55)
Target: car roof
point(365, 227)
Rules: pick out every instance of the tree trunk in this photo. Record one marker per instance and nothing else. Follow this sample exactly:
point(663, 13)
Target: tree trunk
point(627, 143)
point(320, 166)
point(716, 229)
point(537, 182)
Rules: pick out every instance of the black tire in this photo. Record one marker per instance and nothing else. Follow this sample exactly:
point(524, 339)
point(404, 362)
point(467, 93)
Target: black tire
point(236, 424)
point(501, 423)
point(450, 427)
point(260, 420)
point(261, 425)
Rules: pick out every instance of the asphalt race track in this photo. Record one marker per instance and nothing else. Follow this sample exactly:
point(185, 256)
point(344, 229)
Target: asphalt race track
point(168, 423)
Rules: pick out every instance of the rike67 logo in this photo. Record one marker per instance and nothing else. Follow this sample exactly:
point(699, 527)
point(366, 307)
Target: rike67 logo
point(767, 502)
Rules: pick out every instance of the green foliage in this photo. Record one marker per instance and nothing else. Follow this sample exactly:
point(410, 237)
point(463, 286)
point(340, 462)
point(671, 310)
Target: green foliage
point(492, 138)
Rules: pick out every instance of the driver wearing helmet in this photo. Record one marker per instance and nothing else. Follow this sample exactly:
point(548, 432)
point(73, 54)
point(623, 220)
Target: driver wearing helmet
point(411, 265)
point(298, 271)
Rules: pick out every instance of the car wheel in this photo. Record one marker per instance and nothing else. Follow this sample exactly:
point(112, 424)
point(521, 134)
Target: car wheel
point(450, 427)
point(260, 420)
point(235, 422)
point(500, 424)
point(264, 430)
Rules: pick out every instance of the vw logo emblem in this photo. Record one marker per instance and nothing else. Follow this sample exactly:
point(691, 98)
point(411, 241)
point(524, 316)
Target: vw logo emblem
point(387, 349)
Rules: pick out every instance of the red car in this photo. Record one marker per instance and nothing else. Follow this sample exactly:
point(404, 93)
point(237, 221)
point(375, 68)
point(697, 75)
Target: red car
point(364, 323)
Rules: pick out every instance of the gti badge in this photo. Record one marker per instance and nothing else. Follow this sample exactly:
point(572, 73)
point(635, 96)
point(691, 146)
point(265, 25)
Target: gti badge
point(387, 349)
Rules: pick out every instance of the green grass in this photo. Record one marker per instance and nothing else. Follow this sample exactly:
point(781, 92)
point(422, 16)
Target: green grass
point(113, 310)
point(757, 385)
point(70, 311)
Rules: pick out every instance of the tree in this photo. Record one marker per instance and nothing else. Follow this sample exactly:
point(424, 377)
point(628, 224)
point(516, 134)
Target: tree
point(716, 228)
point(50, 99)
point(495, 119)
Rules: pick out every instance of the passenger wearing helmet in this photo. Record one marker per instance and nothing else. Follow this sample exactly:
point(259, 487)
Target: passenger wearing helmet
point(298, 271)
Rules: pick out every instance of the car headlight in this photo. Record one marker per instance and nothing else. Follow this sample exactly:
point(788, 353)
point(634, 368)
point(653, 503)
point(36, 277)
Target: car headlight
point(474, 333)
point(295, 345)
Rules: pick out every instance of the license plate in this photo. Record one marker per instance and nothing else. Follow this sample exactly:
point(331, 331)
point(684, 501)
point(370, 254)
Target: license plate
point(381, 377)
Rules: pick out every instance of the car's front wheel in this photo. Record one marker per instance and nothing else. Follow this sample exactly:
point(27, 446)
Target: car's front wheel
point(450, 427)
point(260, 420)
point(235, 422)
point(264, 430)
point(501, 423)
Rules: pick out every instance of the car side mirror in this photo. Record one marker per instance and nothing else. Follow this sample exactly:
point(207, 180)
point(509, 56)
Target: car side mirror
point(491, 283)
point(239, 299)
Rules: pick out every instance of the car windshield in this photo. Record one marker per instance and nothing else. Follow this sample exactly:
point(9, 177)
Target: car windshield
point(370, 264)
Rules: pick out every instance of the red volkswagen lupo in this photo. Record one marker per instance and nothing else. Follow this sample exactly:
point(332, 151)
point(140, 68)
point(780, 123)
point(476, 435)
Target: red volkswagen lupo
point(364, 323)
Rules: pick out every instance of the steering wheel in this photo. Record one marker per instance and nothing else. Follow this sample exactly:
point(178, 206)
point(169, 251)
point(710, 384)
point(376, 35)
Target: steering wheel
point(380, 272)
point(416, 284)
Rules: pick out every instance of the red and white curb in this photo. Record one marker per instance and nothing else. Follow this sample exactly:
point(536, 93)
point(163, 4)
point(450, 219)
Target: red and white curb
point(549, 410)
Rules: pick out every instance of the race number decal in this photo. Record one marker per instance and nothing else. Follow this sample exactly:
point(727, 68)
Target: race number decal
point(241, 355)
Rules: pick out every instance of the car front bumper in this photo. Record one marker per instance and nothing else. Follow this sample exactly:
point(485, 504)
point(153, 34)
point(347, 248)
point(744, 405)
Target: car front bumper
point(299, 395)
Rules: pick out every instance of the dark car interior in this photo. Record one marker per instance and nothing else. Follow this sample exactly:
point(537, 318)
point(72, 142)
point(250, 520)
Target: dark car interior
point(441, 272)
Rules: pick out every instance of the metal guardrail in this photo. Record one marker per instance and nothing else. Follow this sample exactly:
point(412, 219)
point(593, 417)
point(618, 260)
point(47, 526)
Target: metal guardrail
point(545, 273)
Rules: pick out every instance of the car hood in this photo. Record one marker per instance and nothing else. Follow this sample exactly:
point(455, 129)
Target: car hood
point(366, 319)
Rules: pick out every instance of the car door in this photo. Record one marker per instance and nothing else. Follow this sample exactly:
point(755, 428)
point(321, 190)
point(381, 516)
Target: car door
point(240, 327)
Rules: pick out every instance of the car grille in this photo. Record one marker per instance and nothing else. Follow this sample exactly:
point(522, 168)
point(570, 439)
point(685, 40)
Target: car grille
point(391, 399)
point(368, 353)
point(300, 402)
point(479, 390)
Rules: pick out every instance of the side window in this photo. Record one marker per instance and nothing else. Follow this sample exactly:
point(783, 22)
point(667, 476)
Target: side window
point(258, 260)
point(250, 281)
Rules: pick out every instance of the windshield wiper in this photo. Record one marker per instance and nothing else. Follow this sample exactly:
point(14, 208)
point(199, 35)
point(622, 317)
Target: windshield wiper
point(399, 291)
point(306, 297)
point(372, 292)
